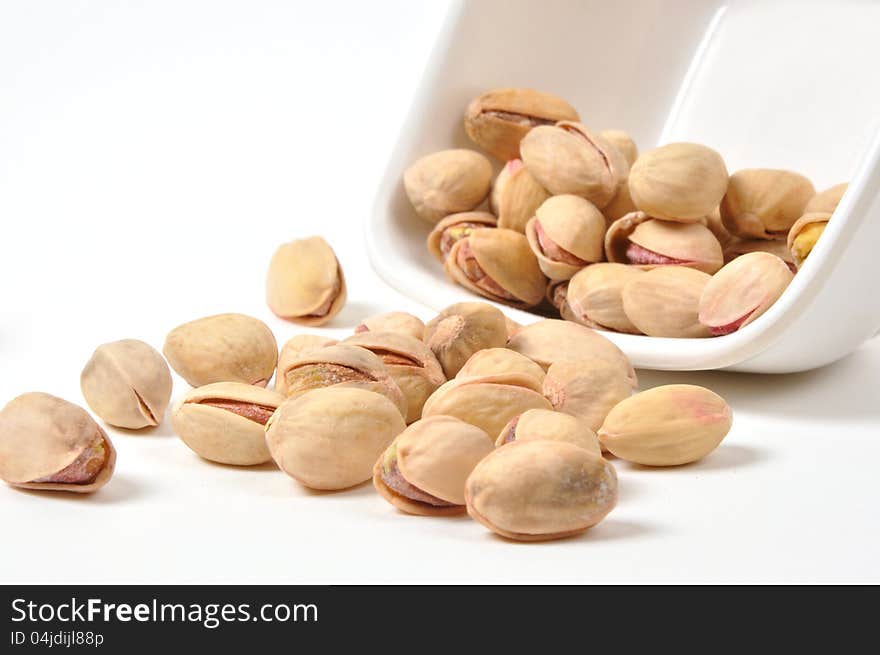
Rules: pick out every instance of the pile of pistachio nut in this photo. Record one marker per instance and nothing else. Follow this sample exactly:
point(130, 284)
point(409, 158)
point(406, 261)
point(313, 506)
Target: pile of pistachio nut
point(579, 225)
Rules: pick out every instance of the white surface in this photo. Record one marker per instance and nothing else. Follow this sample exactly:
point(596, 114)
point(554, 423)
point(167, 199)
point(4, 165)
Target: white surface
point(150, 161)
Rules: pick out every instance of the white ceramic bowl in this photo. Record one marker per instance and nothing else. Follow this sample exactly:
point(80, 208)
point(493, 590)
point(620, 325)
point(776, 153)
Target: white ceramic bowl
point(767, 83)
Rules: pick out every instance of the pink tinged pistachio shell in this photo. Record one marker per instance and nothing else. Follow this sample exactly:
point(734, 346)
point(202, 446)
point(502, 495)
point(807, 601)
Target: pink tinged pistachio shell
point(594, 296)
point(454, 228)
point(292, 349)
point(398, 322)
point(515, 196)
point(624, 144)
point(665, 302)
point(566, 234)
point(500, 361)
point(742, 291)
point(588, 388)
point(544, 425)
point(827, 200)
point(463, 329)
point(763, 203)
point(447, 182)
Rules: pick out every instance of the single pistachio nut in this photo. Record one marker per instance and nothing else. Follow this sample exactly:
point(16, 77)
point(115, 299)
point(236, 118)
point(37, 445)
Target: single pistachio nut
point(568, 158)
point(544, 425)
point(500, 361)
point(453, 228)
point(498, 119)
point(222, 348)
point(462, 329)
point(330, 438)
point(50, 444)
point(399, 322)
point(127, 383)
point(295, 347)
point(742, 291)
point(647, 242)
point(624, 144)
point(665, 302)
point(620, 205)
point(678, 181)
point(515, 196)
point(827, 200)
point(225, 422)
point(566, 234)
point(737, 247)
point(588, 388)
point(666, 426)
point(423, 472)
point(540, 490)
point(804, 234)
point(447, 182)
point(499, 265)
point(305, 283)
point(594, 296)
point(763, 203)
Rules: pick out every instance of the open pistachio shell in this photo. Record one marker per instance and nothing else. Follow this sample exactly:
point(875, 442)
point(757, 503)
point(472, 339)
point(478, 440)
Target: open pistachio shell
point(515, 196)
point(566, 234)
point(827, 200)
point(224, 422)
point(305, 283)
point(588, 388)
point(804, 234)
point(500, 361)
point(539, 490)
point(50, 444)
point(454, 228)
point(624, 144)
point(541, 424)
point(462, 329)
point(665, 302)
point(447, 182)
point(594, 296)
point(399, 322)
point(294, 348)
point(763, 203)
point(557, 296)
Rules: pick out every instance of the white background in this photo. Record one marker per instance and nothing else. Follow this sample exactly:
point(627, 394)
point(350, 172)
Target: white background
point(153, 155)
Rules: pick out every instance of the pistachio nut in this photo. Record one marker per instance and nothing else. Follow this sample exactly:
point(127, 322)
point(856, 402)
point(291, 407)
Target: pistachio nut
point(410, 363)
point(827, 200)
point(294, 348)
point(588, 388)
point(462, 329)
point(498, 119)
point(557, 295)
point(344, 365)
point(515, 196)
point(568, 158)
point(423, 472)
point(742, 291)
point(643, 241)
point(488, 402)
point(539, 490)
point(330, 438)
point(305, 283)
point(447, 182)
point(399, 322)
point(224, 422)
point(51, 444)
point(594, 296)
point(763, 203)
point(667, 426)
point(500, 361)
point(624, 144)
point(665, 302)
point(737, 247)
point(499, 265)
point(544, 425)
point(678, 181)
point(127, 383)
point(454, 228)
point(716, 226)
point(222, 348)
point(621, 204)
point(804, 234)
point(566, 233)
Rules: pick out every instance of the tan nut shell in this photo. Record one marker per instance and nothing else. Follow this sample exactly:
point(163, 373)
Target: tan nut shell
point(665, 302)
point(737, 247)
point(624, 144)
point(621, 205)
point(515, 196)
point(462, 329)
point(295, 347)
point(41, 435)
point(716, 226)
point(330, 438)
point(501, 137)
point(305, 283)
point(220, 435)
point(541, 424)
point(399, 322)
point(678, 182)
point(500, 361)
point(588, 388)
point(594, 296)
point(222, 348)
point(667, 426)
point(127, 383)
point(763, 203)
point(538, 490)
point(805, 221)
point(827, 200)
point(458, 221)
point(573, 224)
point(447, 182)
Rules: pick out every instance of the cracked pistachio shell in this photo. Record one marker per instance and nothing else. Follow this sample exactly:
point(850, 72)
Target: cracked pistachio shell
point(399, 322)
point(498, 119)
point(678, 182)
point(50, 444)
point(557, 295)
point(544, 425)
point(742, 291)
point(539, 490)
point(515, 196)
point(624, 144)
point(294, 348)
point(566, 234)
point(594, 296)
point(667, 426)
point(434, 455)
point(454, 228)
point(804, 234)
point(462, 329)
point(488, 402)
point(827, 200)
point(410, 363)
point(737, 247)
point(447, 182)
point(568, 158)
point(641, 240)
point(500, 361)
point(330, 438)
point(222, 348)
point(305, 283)
point(551, 340)
point(588, 388)
point(665, 302)
point(620, 205)
point(763, 203)
point(224, 422)
point(497, 264)
point(127, 383)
